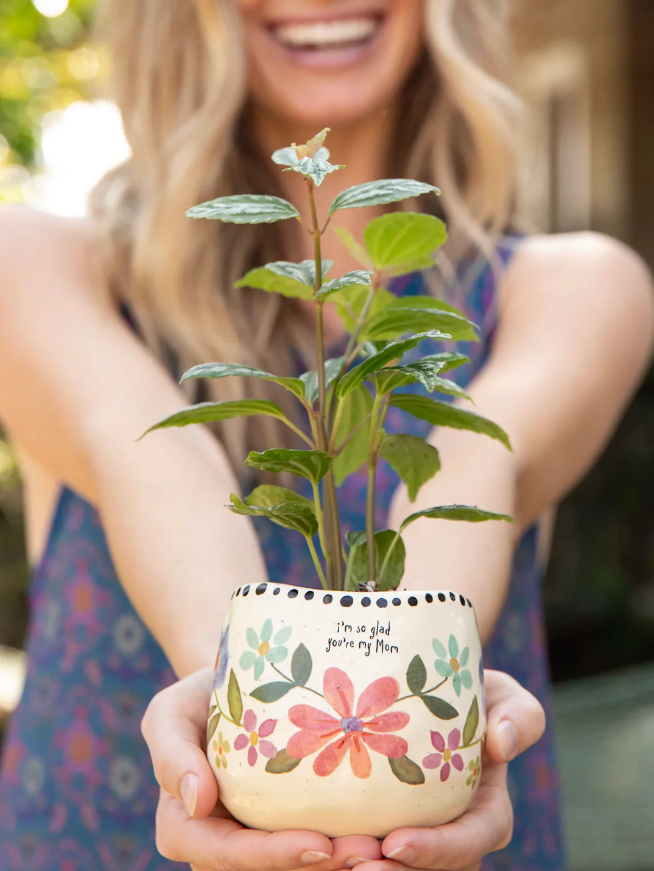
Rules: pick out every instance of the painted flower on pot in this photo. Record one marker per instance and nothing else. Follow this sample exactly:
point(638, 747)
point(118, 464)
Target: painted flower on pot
point(222, 660)
point(474, 767)
point(446, 757)
point(354, 730)
point(221, 748)
point(453, 666)
point(255, 740)
point(265, 648)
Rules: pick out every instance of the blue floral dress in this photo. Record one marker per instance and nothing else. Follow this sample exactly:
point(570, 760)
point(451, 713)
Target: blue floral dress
point(77, 791)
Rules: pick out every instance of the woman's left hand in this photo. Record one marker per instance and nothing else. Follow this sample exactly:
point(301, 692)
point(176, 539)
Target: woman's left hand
point(516, 720)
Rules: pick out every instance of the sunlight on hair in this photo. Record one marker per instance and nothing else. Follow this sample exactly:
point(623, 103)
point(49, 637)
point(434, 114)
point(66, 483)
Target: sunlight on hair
point(51, 8)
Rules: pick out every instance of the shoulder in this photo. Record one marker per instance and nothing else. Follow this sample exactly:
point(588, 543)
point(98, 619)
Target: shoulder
point(36, 247)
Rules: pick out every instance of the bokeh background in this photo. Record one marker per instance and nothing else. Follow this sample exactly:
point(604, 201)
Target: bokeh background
point(586, 71)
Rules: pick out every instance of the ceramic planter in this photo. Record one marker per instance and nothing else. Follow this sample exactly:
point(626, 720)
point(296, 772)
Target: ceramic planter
point(347, 713)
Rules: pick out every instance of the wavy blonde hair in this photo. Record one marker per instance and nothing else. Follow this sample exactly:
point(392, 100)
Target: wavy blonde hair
point(179, 77)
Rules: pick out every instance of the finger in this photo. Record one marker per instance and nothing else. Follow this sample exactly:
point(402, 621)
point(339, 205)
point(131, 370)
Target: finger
point(219, 843)
point(484, 828)
point(354, 850)
point(174, 729)
point(516, 719)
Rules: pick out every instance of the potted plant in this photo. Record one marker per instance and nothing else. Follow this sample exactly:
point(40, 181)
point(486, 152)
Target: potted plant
point(325, 700)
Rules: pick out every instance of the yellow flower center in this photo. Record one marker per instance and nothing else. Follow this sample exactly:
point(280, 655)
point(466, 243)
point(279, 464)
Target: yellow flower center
point(220, 750)
point(254, 739)
point(454, 663)
point(447, 755)
point(264, 647)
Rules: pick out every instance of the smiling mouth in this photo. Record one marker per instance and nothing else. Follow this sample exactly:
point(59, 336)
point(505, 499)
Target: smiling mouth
point(326, 36)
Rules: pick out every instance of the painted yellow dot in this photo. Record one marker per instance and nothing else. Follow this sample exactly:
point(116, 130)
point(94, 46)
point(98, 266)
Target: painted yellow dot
point(264, 647)
point(447, 755)
point(454, 663)
point(254, 739)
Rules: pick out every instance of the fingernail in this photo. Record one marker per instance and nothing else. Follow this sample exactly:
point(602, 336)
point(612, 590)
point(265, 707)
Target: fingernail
point(313, 856)
point(188, 792)
point(402, 854)
point(354, 861)
point(507, 739)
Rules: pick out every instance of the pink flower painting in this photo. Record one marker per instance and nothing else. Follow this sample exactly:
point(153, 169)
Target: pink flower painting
point(446, 757)
point(256, 741)
point(353, 730)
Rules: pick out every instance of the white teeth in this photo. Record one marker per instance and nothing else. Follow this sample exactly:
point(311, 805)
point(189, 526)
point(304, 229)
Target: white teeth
point(327, 33)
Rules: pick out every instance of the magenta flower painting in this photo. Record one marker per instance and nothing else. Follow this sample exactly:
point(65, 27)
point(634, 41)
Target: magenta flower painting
point(446, 756)
point(256, 741)
point(353, 730)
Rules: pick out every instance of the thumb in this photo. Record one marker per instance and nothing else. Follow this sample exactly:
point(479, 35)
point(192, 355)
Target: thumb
point(516, 719)
point(174, 728)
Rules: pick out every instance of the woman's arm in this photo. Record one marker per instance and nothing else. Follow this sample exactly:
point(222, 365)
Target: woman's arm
point(574, 339)
point(76, 390)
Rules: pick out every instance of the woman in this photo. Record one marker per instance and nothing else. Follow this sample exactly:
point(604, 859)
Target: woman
point(91, 331)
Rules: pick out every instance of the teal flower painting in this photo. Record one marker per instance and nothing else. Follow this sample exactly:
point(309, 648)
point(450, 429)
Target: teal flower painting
point(453, 666)
point(265, 648)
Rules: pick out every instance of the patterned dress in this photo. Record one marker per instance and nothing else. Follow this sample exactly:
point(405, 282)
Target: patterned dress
point(77, 791)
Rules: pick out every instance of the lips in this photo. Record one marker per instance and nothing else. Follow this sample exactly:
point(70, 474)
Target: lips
point(329, 35)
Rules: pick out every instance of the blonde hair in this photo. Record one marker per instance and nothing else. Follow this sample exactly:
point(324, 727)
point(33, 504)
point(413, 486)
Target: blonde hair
point(179, 77)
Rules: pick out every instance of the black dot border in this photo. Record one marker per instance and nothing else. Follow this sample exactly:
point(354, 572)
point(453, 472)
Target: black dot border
point(345, 600)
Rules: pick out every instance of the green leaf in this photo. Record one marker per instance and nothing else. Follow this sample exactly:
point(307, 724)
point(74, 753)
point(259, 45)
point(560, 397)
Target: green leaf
point(439, 707)
point(350, 303)
point(377, 193)
point(270, 495)
point(234, 700)
point(210, 412)
point(407, 771)
point(392, 351)
point(424, 372)
point(316, 145)
point(414, 460)
point(357, 406)
point(312, 465)
point(444, 414)
point(224, 370)
point(271, 692)
point(404, 241)
point(359, 278)
point(396, 320)
point(416, 675)
point(301, 665)
point(314, 168)
point(333, 369)
point(456, 512)
point(390, 378)
point(299, 518)
point(282, 763)
point(472, 722)
point(285, 157)
point(245, 209)
point(296, 280)
point(357, 250)
point(212, 725)
point(428, 303)
point(384, 541)
point(449, 359)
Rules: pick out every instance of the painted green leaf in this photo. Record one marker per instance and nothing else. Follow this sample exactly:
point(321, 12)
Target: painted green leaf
point(359, 278)
point(312, 465)
point(333, 369)
point(271, 692)
point(355, 248)
point(224, 370)
point(234, 699)
point(404, 241)
point(314, 168)
point(350, 303)
point(456, 512)
point(386, 540)
point(416, 675)
point(407, 771)
point(270, 495)
point(392, 351)
point(212, 725)
point(394, 321)
point(282, 763)
point(442, 414)
point(414, 460)
point(210, 412)
point(290, 515)
point(472, 722)
point(439, 707)
point(301, 665)
point(296, 280)
point(357, 406)
point(377, 193)
point(245, 209)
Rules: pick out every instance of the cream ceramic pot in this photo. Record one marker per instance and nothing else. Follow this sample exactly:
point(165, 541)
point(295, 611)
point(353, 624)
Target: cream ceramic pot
point(347, 713)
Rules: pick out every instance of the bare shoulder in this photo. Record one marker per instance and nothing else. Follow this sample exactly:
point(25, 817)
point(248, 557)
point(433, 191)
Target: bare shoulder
point(35, 245)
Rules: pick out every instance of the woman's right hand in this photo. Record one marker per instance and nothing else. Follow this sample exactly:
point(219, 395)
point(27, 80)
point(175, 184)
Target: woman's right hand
point(194, 827)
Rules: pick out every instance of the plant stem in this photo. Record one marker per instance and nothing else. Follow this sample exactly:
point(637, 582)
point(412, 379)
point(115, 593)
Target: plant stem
point(298, 431)
point(223, 714)
point(334, 566)
point(290, 680)
point(316, 562)
point(370, 495)
point(425, 693)
point(384, 565)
